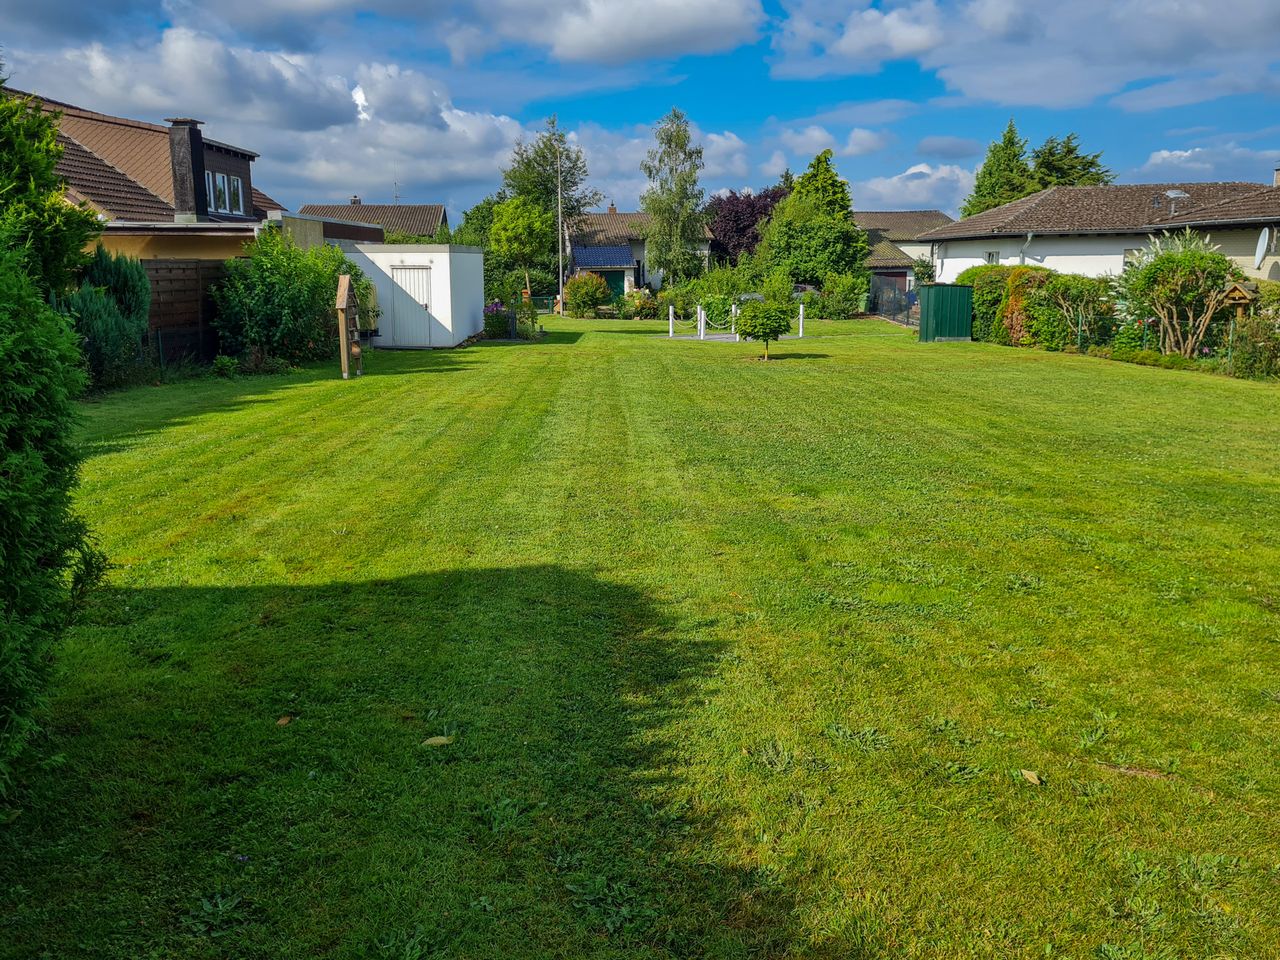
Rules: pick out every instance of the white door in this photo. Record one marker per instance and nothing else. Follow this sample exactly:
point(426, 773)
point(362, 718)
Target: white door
point(413, 303)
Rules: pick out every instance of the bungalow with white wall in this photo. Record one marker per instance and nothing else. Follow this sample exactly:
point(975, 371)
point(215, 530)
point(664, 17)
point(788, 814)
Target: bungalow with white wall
point(1092, 230)
point(612, 244)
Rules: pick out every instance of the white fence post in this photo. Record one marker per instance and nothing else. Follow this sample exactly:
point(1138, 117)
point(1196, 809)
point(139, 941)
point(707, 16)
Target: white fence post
point(802, 320)
point(671, 321)
point(702, 324)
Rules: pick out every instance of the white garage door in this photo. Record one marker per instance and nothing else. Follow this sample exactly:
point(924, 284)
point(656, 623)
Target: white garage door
point(413, 322)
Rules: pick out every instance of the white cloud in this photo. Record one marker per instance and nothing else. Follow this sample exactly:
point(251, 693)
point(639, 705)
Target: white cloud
point(924, 185)
point(1227, 161)
point(1059, 55)
point(774, 166)
point(861, 142)
point(725, 155)
point(808, 141)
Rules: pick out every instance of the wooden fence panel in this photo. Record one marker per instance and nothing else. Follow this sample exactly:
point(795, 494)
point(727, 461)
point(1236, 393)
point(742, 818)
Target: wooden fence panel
point(182, 307)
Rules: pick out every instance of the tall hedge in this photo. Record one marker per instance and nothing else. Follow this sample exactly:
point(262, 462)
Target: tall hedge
point(988, 284)
point(44, 554)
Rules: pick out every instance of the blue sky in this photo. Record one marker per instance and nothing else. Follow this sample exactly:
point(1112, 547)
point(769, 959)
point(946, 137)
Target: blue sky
point(343, 96)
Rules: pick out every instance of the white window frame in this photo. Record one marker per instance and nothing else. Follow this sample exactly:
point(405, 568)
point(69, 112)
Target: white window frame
point(235, 187)
point(208, 190)
point(221, 180)
point(992, 257)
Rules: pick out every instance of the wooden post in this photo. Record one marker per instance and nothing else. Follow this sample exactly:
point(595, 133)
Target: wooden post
point(344, 349)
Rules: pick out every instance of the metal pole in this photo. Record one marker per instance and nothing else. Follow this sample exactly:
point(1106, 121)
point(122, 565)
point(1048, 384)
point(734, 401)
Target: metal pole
point(671, 320)
point(802, 321)
point(702, 324)
point(559, 229)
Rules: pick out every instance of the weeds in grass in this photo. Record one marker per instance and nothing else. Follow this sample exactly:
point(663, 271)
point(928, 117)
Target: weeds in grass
point(867, 739)
point(1098, 731)
point(216, 915)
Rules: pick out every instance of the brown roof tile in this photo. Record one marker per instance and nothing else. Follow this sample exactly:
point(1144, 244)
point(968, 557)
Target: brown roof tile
point(416, 219)
point(900, 225)
point(884, 253)
point(1119, 208)
point(613, 228)
point(106, 189)
point(1262, 206)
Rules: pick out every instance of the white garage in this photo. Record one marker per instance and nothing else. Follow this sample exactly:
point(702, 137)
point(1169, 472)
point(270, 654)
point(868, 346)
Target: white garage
point(431, 295)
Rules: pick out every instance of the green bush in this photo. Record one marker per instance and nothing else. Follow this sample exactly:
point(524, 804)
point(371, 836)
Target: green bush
point(988, 282)
point(1256, 349)
point(717, 307)
point(1071, 310)
point(1013, 319)
point(809, 243)
point(110, 313)
point(584, 293)
point(763, 321)
point(225, 367)
point(46, 560)
point(641, 304)
point(278, 301)
point(843, 295)
point(779, 289)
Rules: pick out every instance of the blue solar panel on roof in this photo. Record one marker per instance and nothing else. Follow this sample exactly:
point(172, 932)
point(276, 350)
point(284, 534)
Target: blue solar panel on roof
point(603, 257)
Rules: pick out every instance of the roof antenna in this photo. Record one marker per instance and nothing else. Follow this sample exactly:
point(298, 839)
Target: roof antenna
point(395, 185)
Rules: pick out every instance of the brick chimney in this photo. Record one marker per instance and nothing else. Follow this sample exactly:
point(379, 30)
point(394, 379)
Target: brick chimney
point(355, 201)
point(612, 208)
point(186, 154)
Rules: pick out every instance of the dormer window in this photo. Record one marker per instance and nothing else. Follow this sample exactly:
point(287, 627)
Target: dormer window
point(225, 193)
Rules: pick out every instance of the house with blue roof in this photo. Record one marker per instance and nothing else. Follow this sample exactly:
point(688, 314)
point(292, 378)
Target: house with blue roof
point(612, 245)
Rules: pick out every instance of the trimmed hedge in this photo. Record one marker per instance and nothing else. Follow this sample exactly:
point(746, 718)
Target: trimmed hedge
point(45, 557)
point(584, 293)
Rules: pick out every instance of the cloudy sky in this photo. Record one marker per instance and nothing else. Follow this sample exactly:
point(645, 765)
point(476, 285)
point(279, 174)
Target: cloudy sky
point(353, 96)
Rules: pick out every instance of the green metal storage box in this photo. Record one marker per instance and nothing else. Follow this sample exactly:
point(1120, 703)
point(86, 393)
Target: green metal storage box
point(946, 312)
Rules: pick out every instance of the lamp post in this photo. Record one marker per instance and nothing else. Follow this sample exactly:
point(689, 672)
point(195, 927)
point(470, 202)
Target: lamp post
point(559, 233)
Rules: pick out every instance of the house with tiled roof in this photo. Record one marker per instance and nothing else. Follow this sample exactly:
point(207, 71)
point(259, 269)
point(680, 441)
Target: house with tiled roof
point(414, 219)
point(160, 190)
point(891, 237)
point(612, 244)
point(1094, 230)
point(181, 203)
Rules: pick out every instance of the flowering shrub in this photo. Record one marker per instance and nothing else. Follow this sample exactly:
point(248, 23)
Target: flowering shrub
point(497, 321)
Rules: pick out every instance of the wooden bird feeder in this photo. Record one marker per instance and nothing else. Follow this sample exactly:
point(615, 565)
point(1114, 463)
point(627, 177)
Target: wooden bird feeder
point(1240, 295)
point(349, 329)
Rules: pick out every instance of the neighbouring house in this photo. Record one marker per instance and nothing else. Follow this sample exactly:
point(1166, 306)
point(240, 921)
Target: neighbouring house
point(1094, 230)
point(412, 219)
point(181, 203)
point(612, 244)
point(1246, 229)
point(891, 237)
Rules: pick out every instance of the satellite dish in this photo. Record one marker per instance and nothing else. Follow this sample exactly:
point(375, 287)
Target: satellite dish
point(1264, 240)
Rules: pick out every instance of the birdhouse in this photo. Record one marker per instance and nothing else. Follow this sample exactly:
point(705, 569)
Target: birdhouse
point(348, 329)
point(1240, 295)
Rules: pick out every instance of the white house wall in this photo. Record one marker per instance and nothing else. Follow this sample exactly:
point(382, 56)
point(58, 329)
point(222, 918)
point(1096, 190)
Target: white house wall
point(1092, 256)
point(1241, 245)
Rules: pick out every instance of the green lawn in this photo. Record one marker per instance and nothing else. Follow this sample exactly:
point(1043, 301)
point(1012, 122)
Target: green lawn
point(732, 660)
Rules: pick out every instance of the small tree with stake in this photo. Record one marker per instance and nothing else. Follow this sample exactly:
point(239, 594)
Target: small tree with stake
point(521, 231)
point(764, 321)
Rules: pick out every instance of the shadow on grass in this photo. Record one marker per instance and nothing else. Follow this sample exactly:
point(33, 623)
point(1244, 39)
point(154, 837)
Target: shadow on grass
point(472, 763)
